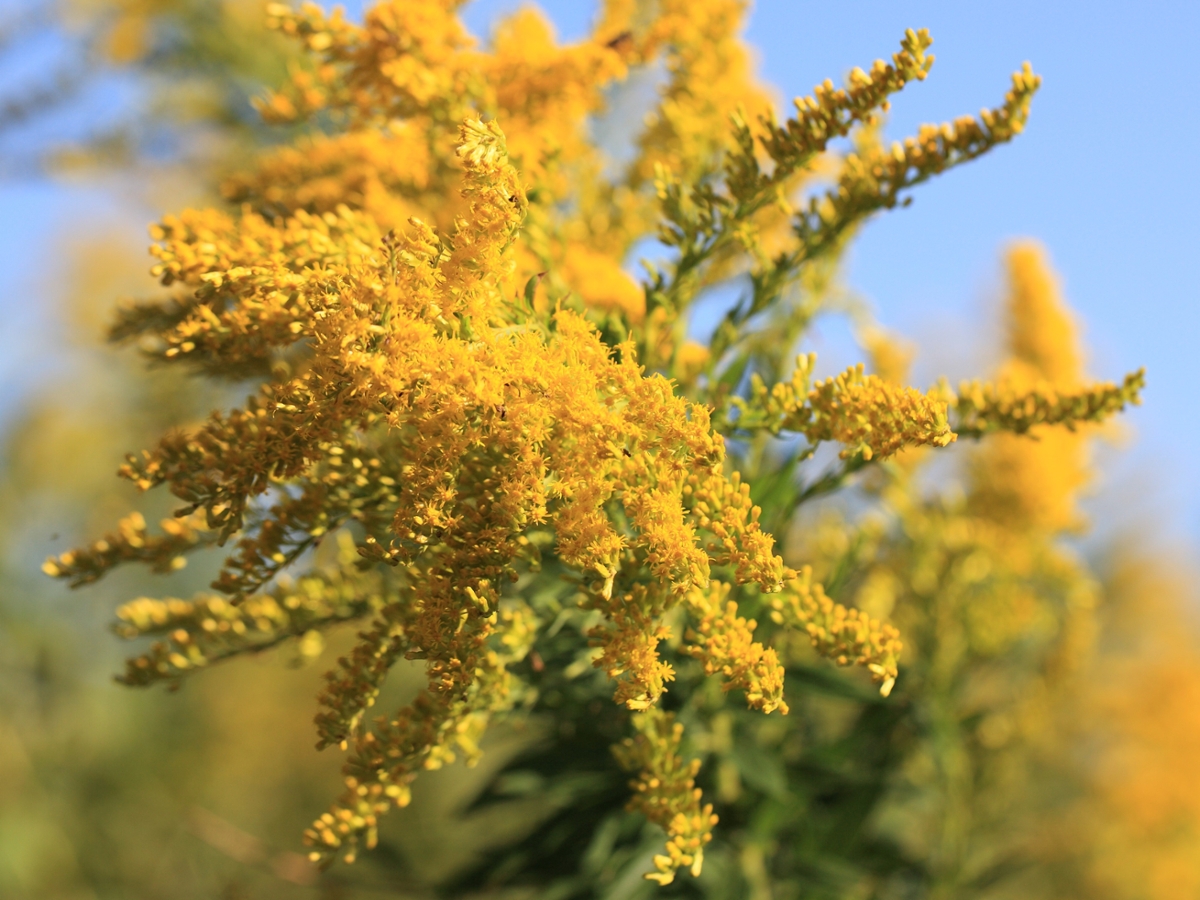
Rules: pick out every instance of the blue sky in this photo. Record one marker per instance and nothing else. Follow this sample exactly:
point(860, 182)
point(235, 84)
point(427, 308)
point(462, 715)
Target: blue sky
point(1106, 176)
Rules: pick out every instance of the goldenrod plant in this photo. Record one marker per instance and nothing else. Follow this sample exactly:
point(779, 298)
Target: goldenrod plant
point(480, 429)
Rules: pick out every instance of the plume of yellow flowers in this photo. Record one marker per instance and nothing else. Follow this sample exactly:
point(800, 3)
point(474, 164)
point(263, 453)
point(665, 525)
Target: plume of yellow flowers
point(665, 790)
point(455, 374)
point(847, 636)
point(871, 416)
point(428, 415)
point(1037, 478)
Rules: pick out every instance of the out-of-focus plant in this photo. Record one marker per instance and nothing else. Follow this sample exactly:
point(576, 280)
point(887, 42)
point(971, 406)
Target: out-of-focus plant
point(186, 70)
point(475, 435)
point(1140, 813)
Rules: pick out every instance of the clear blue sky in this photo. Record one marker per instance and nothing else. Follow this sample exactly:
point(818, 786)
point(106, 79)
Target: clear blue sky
point(1106, 176)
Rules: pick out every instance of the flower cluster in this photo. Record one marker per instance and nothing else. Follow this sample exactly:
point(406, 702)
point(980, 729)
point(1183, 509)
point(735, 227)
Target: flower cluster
point(421, 413)
point(981, 407)
point(454, 372)
point(724, 642)
point(665, 791)
point(847, 636)
point(871, 416)
point(132, 542)
point(209, 629)
point(1033, 470)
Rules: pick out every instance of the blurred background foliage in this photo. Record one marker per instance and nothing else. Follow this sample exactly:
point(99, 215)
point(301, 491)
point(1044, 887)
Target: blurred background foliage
point(1041, 743)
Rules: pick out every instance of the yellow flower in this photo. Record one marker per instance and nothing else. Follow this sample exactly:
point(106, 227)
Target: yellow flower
point(1035, 481)
point(602, 283)
point(400, 293)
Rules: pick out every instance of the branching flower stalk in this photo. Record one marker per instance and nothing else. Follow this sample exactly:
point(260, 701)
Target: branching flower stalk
point(457, 378)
